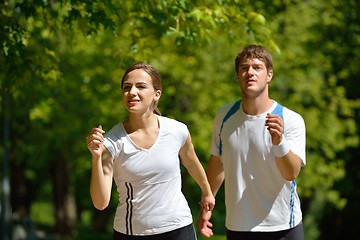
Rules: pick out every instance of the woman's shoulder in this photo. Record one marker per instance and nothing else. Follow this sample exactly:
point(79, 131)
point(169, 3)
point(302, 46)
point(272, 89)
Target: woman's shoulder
point(171, 123)
point(116, 132)
point(169, 120)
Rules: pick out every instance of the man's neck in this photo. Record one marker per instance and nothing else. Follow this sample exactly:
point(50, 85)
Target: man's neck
point(256, 106)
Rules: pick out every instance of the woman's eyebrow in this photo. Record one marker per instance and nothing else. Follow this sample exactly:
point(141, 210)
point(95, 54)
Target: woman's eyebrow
point(141, 82)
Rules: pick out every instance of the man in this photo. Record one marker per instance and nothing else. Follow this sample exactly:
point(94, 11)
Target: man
point(258, 149)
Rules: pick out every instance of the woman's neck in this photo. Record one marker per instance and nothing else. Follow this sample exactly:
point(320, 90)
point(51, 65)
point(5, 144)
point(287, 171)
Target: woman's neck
point(146, 122)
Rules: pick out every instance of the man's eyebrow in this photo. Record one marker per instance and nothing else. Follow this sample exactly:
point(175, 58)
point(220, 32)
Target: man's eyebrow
point(247, 64)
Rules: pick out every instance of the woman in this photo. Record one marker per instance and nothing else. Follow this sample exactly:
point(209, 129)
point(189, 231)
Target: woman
point(142, 155)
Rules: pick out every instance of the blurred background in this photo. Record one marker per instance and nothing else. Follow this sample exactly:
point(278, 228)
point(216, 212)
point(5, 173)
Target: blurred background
point(61, 64)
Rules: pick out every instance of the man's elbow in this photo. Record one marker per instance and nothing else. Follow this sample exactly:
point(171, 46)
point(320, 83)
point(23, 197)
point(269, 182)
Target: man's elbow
point(289, 167)
point(291, 175)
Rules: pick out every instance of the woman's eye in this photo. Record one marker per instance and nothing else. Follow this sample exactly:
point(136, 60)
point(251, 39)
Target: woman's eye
point(126, 88)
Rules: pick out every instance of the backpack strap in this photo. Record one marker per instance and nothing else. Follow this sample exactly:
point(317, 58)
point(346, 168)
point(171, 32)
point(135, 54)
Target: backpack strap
point(232, 110)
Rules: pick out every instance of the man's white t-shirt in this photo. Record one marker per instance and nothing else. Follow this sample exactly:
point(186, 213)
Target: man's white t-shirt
point(257, 197)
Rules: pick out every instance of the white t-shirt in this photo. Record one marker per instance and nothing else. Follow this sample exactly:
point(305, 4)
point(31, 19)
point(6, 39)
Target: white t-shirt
point(149, 180)
point(257, 197)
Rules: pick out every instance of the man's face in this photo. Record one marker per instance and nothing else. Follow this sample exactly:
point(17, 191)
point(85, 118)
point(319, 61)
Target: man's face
point(253, 77)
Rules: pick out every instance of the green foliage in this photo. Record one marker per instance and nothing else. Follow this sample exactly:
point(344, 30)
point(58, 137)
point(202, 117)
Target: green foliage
point(215, 237)
point(43, 212)
point(61, 64)
point(310, 83)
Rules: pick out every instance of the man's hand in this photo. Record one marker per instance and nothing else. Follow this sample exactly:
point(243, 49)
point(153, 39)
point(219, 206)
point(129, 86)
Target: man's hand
point(275, 125)
point(204, 224)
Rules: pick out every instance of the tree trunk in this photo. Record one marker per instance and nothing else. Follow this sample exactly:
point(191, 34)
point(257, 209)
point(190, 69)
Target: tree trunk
point(64, 199)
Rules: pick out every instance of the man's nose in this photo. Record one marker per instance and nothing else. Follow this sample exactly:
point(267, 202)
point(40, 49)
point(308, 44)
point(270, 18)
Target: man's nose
point(251, 70)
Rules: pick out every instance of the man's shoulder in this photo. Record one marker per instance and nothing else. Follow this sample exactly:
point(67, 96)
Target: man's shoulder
point(292, 115)
point(235, 105)
point(226, 111)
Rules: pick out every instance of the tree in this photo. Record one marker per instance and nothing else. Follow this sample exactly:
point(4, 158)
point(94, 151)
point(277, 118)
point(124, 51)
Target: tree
point(58, 88)
point(61, 65)
point(310, 78)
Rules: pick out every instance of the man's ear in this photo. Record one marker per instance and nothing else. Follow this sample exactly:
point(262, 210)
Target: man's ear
point(269, 75)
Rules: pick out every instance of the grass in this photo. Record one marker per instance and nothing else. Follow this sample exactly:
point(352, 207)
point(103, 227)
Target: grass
point(215, 237)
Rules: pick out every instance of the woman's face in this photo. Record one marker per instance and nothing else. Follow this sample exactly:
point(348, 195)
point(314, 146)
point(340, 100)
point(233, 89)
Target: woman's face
point(138, 92)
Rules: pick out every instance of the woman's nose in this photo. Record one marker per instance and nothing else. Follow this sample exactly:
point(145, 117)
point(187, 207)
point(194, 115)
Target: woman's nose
point(133, 90)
